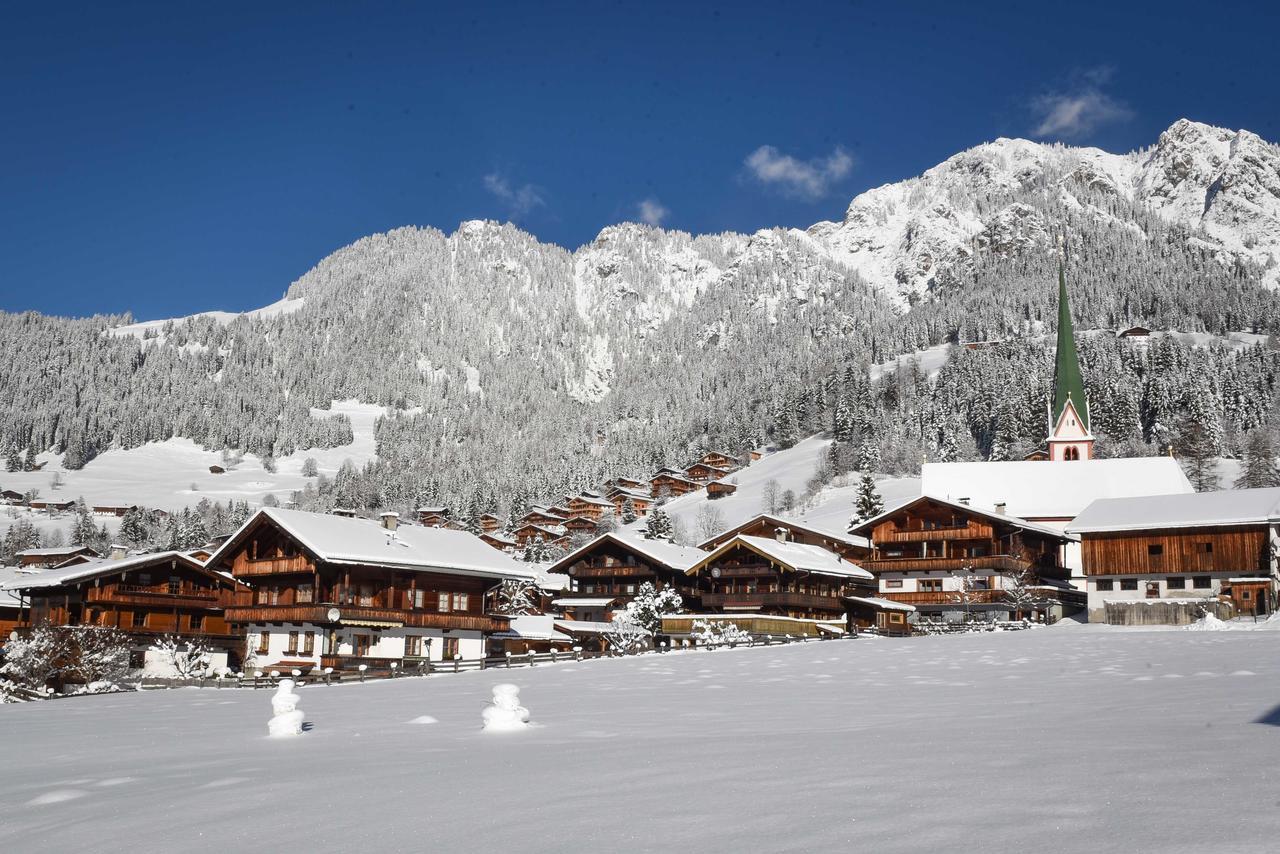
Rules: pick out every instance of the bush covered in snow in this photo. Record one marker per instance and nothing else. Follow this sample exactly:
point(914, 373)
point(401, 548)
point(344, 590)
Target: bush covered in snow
point(650, 604)
point(93, 656)
point(716, 633)
point(188, 659)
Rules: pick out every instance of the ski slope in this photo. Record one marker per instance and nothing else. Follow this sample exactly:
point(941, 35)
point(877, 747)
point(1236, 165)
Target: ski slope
point(1052, 739)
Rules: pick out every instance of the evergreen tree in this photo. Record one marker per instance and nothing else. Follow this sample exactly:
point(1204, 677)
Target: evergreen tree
point(13, 462)
point(1198, 452)
point(657, 525)
point(1259, 469)
point(628, 511)
point(867, 503)
point(133, 531)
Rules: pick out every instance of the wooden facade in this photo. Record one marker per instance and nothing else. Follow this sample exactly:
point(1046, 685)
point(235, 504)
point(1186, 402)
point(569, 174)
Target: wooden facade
point(719, 489)
point(853, 549)
point(1239, 550)
point(672, 485)
point(704, 472)
point(641, 502)
point(611, 567)
point(590, 507)
point(33, 558)
point(339, 610)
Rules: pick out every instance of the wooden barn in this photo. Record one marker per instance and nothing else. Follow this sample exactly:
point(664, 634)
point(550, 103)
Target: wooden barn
point(1143, 551)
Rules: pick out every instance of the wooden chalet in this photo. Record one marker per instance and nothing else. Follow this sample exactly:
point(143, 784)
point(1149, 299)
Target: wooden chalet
point(9, 496)
point(1134, 332)
point(627, 483)
point(764, 575)
point(719, 489)
point(336, 592)
point(10, 602)
point(588, 506)
point(117, 510)
point(490, 522)
point(705, 472)
point(146, 596)
point(531, 633)
point(498, 540)
point(51, 505)
point(54, 556)
point(581, 526)
point(542, 516)
point(848, 546)
point(720, 460)
point(614, 565)
point(641, 502)
point(1169, 558)
point(672, 483)
point(434, 517)
point(954, 561)
point(551, 535)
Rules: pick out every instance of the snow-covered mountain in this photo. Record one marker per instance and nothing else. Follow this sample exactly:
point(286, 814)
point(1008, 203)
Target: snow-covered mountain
point(515, 363)
point(1221, 186)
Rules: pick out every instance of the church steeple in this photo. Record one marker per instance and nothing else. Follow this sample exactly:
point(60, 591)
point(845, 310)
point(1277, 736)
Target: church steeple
point(1069, 436)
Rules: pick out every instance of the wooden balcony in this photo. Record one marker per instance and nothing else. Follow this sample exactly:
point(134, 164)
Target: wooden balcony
point(997, 563)
point(973, 531)
point(272, 566)
point(131, 594)
point(755, 570)
point(944, 597)
point(800, 601)
point(617, 571)
point(319, 614)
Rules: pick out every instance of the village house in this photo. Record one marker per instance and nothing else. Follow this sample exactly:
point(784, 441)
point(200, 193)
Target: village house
point(434, 516)
point(145, 596)
point(117, 510)
point(953, 561)
point(773, 576)
point(51, 505)
point(53, 556)
point(671, 483)
point(9, 496)
point(614, 565)
point(549, 535)
point(498, 540)
point(719, 489)
point(720, 460)
point(1171, 558)
point(10, 601)
point(849, 546)
point(641, 501)
point(340, 593)
point(701, 472)
point(490, 522)
point(581, 526)
point(543, 516)
point(588, 506)
point(626, 483)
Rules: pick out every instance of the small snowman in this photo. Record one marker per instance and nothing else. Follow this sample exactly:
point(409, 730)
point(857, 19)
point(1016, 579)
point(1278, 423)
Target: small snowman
point(504, 713)
point(287, 717)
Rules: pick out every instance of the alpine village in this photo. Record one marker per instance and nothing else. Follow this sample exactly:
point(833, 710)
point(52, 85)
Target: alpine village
point(984, 545)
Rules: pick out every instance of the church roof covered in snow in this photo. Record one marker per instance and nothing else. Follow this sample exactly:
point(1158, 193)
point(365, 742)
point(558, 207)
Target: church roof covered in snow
point(340, 539)
point(1196, 510)
point(1052, 490)
point(794, 556)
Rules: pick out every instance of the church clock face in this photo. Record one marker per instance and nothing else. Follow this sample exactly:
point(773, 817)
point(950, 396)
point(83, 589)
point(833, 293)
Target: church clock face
point(334, 615)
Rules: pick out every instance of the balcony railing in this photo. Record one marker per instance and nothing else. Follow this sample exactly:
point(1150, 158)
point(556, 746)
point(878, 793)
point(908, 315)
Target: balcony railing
point(962, 532)
point(776, 600)
point(320, 614)
point(999, 563)
point(616, 571)
point(131, 594)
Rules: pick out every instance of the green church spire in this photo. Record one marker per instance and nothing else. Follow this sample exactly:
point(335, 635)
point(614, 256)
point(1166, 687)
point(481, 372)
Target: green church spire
point(1068, 384)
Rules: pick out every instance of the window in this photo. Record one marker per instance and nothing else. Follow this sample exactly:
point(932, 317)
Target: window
point(306, 593)
point(309, 643)
point(175, 585)
point(1155, 550)
point(895, 618)
point(413, 646)
point(292, 648)
point(1128, 584)
point(1202, 582)
point(264, 643)
point(139, 619)
point(931, 585)
point(459, 601)
point(1105, 584)
point(1244, 594)
point(144, 578)
point(196, 621)
point(417, 598)
point(95, 616)
point(450, 648)
point(893, 584)
point(1176, 583)
point(442, 602)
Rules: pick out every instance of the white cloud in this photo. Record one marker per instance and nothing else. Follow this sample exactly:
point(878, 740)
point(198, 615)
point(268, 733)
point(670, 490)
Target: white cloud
point(520, 201)
point(1082, 110)
point(806, 179)
point(652, 212)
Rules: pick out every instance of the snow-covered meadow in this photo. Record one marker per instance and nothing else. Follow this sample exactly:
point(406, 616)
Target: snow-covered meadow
point(1061, 739)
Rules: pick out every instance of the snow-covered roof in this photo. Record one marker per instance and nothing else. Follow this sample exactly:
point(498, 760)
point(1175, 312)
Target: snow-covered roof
point(795, 556)
point(96, 568)
point(882, 604)
point(584, 627)
point(1196, 510)
point(663, 552)
point(1052, 490)
point(533, 627)
point(1015, 521)
point(57, 551)
point(338, 539)
point(9, 575)
point(583, 602)
point(790, 524)
point(592, 499)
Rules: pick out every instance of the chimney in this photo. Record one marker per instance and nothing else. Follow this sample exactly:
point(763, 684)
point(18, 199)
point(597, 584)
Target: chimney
point(1000, 507)
point(781, 534)
point(119, 552)
point(389, 520)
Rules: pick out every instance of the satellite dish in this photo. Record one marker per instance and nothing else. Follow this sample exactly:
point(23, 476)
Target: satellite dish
point(334, 615)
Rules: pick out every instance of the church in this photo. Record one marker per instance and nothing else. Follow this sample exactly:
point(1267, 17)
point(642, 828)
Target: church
point(1052, 486)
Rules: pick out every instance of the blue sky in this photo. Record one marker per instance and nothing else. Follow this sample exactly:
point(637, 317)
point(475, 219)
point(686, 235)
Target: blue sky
point(166, 159)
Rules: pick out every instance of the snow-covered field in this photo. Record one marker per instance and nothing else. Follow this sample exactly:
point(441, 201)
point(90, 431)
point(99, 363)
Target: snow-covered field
point(1047, 740)
point(161, 474)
